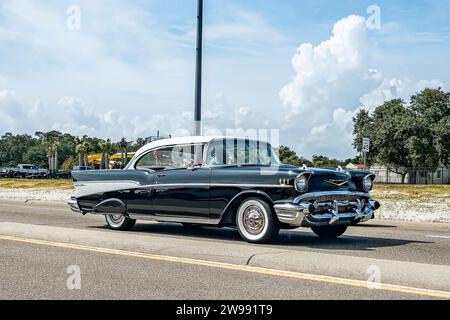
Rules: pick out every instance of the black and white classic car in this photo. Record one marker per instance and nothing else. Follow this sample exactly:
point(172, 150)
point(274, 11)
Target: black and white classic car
point(225, 182)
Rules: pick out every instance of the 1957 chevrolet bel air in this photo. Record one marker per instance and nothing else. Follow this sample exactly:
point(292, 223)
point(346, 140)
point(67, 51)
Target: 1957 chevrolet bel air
point(218, 181)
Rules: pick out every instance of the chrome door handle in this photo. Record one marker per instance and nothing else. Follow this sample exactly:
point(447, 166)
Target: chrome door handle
point(144, 193)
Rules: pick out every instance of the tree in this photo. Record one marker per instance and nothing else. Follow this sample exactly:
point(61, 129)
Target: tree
point(56, 145)
point(123, 146)
point(13, 147)
point(69, 163)
point(288, 156)
point(442, 136)
point(35, 155)
point(432, 104)
point(50, 158)
point(140, 142)
point(81, 151)
point(87, 146)
point(393, 122)
point(106, 149)
point(431, 108)
point(325, 162)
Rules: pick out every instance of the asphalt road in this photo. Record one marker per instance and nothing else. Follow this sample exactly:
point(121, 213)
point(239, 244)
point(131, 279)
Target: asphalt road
point(39, 241)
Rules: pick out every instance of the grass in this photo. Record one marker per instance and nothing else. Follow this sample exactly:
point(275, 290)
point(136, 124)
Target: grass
point(411, 192)
point(35, 184)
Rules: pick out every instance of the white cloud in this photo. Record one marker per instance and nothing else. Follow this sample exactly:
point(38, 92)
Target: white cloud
point(324, 72)
point(396, 89)
point(332, 81)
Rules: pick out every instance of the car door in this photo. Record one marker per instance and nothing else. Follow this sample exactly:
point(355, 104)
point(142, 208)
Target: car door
point(181, 186)
point(140, 200)
point(182, 192)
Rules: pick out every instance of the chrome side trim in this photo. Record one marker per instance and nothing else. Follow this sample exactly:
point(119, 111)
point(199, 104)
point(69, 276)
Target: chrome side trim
point(84, 189)
point(220, 185)
point(110, 206)
point(177, 219)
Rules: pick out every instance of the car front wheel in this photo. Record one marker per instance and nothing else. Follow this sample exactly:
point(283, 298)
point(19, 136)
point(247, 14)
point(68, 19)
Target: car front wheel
point(256, 221)
point(330, 232)
point(120, 222)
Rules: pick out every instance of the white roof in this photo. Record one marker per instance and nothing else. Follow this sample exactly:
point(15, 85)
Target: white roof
point(175, 141)
point(180, 141)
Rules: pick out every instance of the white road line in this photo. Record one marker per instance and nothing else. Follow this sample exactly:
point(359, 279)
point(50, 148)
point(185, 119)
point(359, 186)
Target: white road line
point(438, 237)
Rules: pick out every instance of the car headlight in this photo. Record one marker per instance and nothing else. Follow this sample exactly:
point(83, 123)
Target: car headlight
point(367, 183)
point(301, 183)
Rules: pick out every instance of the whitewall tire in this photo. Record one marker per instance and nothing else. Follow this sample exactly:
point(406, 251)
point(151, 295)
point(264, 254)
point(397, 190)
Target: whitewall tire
point(256, 221)
point(120, 222)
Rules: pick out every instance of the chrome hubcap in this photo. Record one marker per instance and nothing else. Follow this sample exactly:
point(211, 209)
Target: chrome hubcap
point(254, 220)
point(117, 219)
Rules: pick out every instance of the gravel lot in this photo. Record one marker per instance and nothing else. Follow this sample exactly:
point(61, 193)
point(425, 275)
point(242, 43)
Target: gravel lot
point(417, 210)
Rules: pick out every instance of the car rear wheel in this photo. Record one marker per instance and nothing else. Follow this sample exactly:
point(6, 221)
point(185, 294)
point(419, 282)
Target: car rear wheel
point(330, 232)
point(256, 221)
point(120, 222)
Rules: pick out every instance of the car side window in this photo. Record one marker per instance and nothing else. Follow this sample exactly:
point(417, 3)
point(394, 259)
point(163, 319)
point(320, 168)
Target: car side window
point(175, 157)
point(239, 151)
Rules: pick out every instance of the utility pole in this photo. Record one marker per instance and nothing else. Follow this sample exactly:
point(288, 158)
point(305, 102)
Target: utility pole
point(198, 72)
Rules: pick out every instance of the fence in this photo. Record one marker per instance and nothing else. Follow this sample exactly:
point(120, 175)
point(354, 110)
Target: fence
point(414, 176)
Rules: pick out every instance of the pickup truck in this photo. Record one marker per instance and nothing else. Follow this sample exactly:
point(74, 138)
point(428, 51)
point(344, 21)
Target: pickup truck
point(30, 171)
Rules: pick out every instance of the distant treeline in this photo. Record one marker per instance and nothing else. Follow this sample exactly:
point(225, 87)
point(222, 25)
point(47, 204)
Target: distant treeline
point(44, 148)
point(69, 151)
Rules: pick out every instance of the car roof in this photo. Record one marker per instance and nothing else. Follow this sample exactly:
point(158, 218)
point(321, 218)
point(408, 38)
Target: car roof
point(182, 140)
point(173, 141)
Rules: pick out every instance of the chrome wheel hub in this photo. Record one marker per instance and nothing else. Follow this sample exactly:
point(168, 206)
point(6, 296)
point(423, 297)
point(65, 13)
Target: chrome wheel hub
point(254, 220)
point(117, 219)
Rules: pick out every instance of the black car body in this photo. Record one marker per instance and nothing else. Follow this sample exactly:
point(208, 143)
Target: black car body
point(225, 182)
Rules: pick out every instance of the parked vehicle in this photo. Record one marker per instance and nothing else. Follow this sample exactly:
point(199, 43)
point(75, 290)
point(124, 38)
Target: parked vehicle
point(3, 173)
point(28, 171)
point(81, 168)
point(225, 182)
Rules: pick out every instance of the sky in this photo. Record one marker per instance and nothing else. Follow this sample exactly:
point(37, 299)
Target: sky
point(297, 69)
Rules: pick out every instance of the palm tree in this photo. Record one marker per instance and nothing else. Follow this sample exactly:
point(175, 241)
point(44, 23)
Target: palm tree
point(50, 158)
point(102, 146)
point(106, 148)
point(56, 145)
point(123, 147)
point(87, 148)
point(81, 151)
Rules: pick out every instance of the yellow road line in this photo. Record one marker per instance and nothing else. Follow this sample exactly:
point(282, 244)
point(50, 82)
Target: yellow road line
point(227, 266)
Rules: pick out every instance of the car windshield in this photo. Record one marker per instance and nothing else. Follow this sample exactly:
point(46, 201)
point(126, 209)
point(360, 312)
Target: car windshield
point(241, 152)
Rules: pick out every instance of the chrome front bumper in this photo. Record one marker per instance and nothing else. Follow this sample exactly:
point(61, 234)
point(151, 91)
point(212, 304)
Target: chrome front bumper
point(74, 206)
point(324, 209)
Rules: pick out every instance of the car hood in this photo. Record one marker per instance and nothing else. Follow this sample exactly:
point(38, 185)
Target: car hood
point(327, 179)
